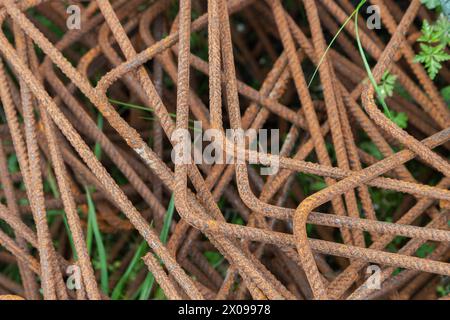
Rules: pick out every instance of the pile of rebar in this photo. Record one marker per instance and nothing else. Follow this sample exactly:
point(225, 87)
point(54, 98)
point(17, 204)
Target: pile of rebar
point(90, 116)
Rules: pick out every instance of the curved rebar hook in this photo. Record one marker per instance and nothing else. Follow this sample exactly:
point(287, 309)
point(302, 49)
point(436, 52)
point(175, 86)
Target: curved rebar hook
point(378, 117)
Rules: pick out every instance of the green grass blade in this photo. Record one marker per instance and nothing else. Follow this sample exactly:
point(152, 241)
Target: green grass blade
point(189, 127)
point(168, 220)
point(136, 106)
point(99, 242)
point(69, 235)
point(52, 182)
point(370, 74)
point(98, 148)
point(147, 286)
point(54, 188)
point(117, 292)
point(139, 107)
point(131, 105)
point(334, 39)
point(98, 155)
point(89, 236)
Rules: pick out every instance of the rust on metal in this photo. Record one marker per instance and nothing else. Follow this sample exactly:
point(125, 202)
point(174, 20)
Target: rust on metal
point(89, 123)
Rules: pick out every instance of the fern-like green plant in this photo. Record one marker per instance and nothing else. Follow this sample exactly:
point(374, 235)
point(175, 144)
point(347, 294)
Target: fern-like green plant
point(433, 43)
point(400, 119)
point(431, 4)
point(387, 85)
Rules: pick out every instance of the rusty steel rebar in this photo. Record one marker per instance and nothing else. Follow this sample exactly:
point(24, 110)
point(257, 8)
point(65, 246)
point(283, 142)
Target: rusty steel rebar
point(74, 119)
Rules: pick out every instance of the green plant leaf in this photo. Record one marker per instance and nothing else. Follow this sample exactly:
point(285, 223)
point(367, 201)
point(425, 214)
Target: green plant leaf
point(92, 218)
point(446, 8)
point(147, 285)
point(400, 119)
point(98, 147)
point(425, 250)
point(445, 92)
point(387, 85)
point(434, 40)
point(442, 29)
point(117, 292)
point(431, 4)
point(429, 33)
point(214, 258)
point(371, 148)
point(431, 57)
point(13, 164)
